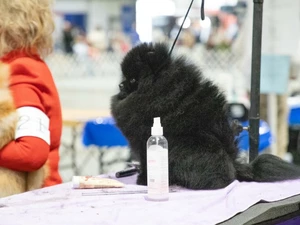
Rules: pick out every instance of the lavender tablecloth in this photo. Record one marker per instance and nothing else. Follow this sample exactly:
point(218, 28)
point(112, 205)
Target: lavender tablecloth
point(63, 205)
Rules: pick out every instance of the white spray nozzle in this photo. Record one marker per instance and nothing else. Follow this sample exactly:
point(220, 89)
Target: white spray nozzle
point(157, 128)
point(157, 121)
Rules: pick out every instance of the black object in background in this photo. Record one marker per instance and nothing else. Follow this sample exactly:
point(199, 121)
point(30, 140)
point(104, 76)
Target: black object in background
point(255, 79)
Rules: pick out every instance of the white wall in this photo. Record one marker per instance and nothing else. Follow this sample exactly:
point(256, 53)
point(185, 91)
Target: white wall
point(70, 6)
point(281, 27)
point(98, 11)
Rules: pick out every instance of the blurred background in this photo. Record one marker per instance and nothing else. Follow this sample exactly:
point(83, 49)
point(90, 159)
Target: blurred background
point(92, 37)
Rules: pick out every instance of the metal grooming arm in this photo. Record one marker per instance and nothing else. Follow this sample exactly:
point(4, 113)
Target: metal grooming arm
point(254, 116)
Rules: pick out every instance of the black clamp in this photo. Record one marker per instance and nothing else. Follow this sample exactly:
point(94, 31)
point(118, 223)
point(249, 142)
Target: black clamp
point(238, 128)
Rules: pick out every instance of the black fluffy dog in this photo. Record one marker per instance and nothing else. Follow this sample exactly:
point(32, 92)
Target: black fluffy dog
point(202, 147)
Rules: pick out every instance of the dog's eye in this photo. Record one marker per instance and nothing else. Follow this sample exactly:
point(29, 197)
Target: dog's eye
point(121, 86)
point(132, 81)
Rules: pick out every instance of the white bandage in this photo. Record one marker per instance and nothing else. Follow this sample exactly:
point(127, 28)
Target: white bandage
point(32, 122)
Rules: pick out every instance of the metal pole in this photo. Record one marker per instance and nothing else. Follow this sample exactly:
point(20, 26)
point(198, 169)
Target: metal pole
point(254, 116)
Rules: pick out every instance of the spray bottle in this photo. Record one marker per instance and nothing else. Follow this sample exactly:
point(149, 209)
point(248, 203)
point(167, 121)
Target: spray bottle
point(157, 164)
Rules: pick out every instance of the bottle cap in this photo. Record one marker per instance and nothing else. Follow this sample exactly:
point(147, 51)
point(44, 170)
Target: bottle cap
point(157, 128)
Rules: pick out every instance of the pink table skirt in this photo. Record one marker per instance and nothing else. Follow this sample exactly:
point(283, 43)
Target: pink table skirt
point(63, 205)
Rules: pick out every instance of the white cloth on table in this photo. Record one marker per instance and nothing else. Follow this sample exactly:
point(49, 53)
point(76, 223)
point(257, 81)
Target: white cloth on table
point(63, 205)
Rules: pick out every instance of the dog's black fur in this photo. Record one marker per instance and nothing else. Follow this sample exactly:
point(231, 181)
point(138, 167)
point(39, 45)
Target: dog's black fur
point(202, 146)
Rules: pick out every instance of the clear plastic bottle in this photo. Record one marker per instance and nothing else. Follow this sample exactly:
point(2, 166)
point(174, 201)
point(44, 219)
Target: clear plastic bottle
point(157, 164)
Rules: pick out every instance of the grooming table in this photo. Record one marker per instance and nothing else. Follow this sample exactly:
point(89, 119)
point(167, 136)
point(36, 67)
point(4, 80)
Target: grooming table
point(284, 212)
point(235, 204)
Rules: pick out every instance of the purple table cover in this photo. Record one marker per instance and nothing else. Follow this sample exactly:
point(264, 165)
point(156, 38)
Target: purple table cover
point(63, 205)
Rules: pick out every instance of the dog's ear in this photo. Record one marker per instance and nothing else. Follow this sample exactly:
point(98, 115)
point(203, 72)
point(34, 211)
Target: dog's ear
point(150, 56)
point(157, 58)
point(144, 60)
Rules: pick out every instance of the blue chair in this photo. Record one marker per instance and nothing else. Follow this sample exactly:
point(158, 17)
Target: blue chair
point(239, 112)
point(265, 137)
point(294, 116)
point(294, 128)
point(103, 133)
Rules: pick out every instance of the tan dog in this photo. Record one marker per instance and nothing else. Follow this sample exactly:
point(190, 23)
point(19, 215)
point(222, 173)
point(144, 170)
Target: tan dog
point(13, 182)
